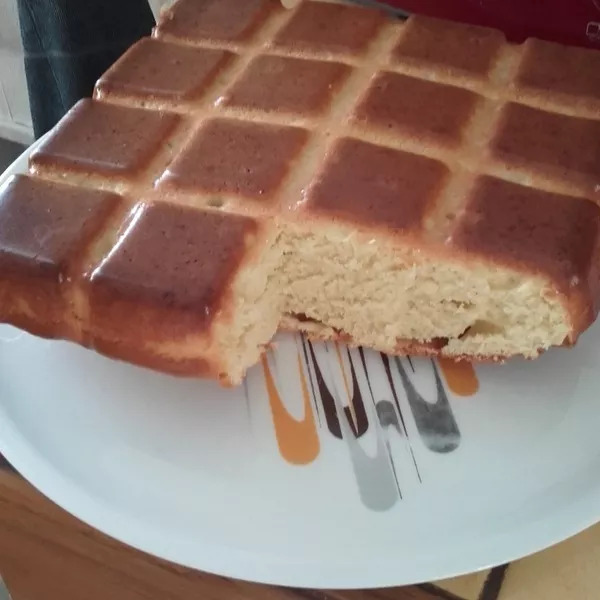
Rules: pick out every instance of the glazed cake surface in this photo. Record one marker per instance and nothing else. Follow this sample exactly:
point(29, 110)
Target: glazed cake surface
point(415, 186)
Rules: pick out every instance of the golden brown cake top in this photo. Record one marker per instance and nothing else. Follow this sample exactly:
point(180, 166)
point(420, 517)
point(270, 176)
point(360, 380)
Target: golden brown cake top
point(423, 128)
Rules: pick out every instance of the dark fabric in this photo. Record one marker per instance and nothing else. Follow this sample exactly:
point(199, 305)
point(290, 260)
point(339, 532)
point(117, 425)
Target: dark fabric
point(4, 464)
point(69, 44)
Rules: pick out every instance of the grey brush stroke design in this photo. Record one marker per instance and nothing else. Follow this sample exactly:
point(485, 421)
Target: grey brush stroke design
point(434, 420)
point(386, 413)
point(380, 426)
point(375, 476)
point(247, 398)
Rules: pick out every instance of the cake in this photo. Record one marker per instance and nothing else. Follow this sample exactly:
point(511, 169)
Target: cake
point(417, 187)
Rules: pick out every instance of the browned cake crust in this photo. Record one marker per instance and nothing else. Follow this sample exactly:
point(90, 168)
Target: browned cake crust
point(153, 223)
point(148, 290)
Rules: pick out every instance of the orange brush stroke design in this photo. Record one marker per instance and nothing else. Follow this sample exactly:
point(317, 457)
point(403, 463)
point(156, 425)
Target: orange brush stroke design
point(298, 441)
point(460, 376)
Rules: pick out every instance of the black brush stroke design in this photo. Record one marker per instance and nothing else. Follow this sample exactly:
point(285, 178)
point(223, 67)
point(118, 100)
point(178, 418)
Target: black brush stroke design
point(434, 420)
point(329, 410)
point(388, 449)
point(362, 422)
point(493, 583)
point(327, 400)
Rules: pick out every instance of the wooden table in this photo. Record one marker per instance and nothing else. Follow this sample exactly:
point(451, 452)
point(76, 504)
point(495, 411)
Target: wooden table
point(46, 554)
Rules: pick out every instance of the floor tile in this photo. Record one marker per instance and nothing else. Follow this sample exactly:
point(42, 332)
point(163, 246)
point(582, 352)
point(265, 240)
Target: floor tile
point(568, 571)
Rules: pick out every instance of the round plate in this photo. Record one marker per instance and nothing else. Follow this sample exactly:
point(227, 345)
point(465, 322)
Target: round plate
point(328, 468)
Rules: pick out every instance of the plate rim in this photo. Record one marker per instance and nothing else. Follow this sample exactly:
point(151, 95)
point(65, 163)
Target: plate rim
point(106, 518)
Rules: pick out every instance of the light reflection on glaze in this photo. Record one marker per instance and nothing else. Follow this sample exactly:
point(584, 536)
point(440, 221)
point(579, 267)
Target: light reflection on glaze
point(134, 216)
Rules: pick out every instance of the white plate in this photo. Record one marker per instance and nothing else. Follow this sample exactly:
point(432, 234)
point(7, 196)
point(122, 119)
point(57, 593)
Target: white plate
point(436, 484)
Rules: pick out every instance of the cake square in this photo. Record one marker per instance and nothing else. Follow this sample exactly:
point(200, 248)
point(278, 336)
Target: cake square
point(407, 106)
point(170, 272)
point(238, 158)
point(215, 20)
point(457, 47)
point(568, 72)
point(373, 186)
point(154, 69)
point(530, 228)
point(44, 224)
point(331, 28)
point(106, 139)
point(290, 85)
point(553, 145)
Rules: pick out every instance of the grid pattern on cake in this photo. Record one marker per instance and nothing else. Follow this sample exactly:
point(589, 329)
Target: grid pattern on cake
point(298, 109)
